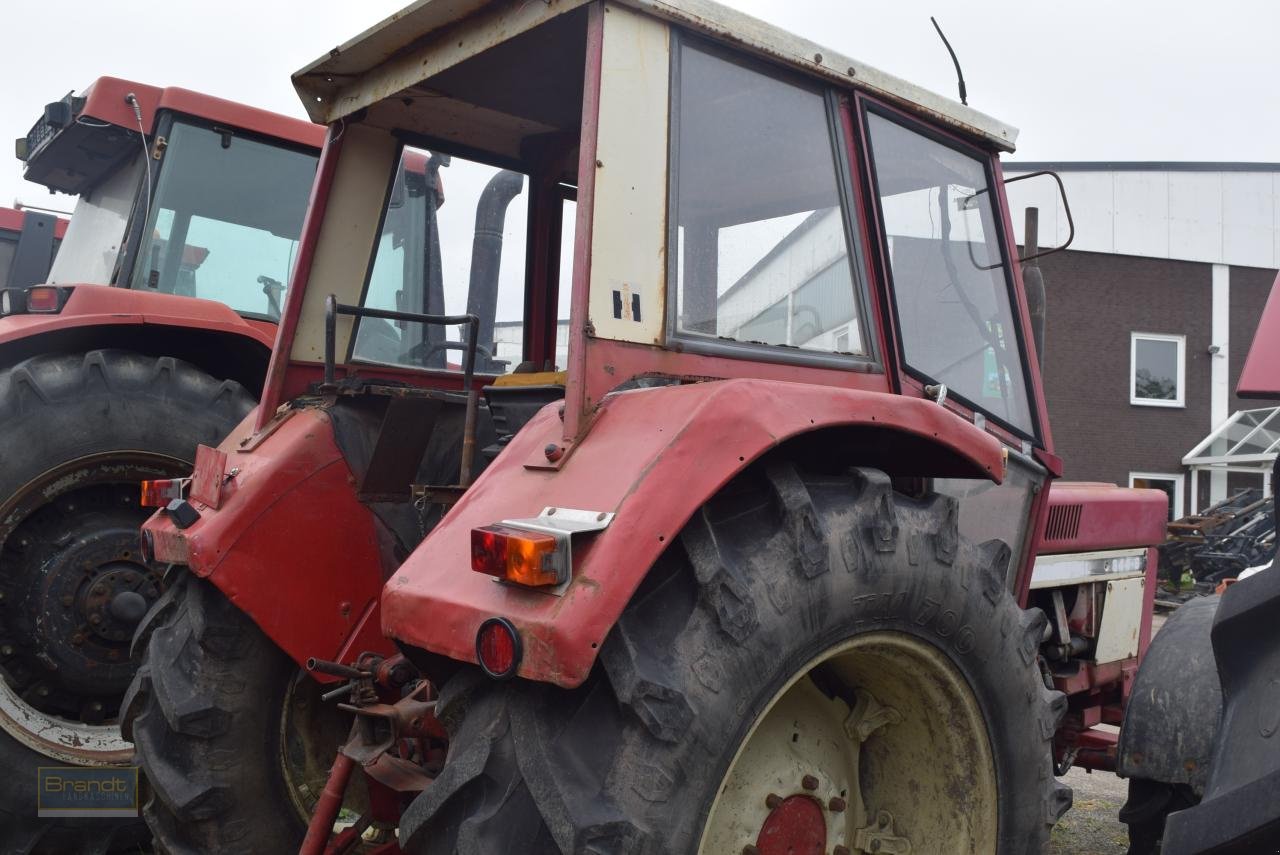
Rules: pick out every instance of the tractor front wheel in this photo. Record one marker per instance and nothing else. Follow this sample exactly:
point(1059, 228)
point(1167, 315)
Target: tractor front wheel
point(817, 664)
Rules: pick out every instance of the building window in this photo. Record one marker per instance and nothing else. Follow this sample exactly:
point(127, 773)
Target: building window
point(1157, 369)
point(1171, 485)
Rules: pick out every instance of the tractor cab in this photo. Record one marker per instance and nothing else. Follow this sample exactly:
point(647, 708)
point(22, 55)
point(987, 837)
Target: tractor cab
point(179, 193)
point(712, 424)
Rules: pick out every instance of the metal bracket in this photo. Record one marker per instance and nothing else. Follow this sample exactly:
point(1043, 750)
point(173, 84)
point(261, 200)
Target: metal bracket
point(867, 716)
point(878, 837)
point(562, 524)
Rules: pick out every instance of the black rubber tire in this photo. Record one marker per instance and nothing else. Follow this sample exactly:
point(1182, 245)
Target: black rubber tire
point(57, 408)
point(775, 570)
point(204, 713)
point(1149, 804)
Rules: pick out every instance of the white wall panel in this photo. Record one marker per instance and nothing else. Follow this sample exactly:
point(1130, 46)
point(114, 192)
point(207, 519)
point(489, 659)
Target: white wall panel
point(1195, 216)
point(1141, 213)
point(1248, 219)
point(1091, 195)
point(1223, 217)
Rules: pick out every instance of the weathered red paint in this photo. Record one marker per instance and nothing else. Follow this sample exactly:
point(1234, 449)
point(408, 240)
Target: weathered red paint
point(576, 393)
point(11, 220)
point(104, 102)
point(797, 826)
point(1260, 377)
point(290, 545)
point(98, 305)
point(274, 389)
point(652, 456)
point(1103, 516)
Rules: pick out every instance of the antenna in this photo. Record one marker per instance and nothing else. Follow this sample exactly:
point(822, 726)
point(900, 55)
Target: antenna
point(964, 95)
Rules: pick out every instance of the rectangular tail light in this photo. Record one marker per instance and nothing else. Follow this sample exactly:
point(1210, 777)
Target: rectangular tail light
point(533, 559)
point(36, 300)
point(159, 493)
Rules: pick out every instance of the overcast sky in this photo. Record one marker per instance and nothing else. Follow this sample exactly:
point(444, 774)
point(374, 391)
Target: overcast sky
point(1089, 80)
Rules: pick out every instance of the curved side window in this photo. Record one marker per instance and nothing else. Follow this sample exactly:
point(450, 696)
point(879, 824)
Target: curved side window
point(951, 288)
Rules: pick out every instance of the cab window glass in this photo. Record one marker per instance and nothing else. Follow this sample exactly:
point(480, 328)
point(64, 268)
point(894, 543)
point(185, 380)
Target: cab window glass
point(226, 219)
point(950, 284)
point(761, 253)
point(452, 243)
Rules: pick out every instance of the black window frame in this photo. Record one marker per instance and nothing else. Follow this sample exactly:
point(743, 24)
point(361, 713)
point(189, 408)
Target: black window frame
point(867, 107)
point(689, 342)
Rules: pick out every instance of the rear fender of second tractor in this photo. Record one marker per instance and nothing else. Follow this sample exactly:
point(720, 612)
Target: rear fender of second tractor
point(666, 451)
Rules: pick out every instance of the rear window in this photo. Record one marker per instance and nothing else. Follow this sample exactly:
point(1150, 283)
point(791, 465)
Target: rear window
point(761, 253)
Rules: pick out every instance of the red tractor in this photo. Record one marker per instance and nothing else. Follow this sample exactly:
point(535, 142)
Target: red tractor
point(29, 241)
point(149, 336)
point(755, 553)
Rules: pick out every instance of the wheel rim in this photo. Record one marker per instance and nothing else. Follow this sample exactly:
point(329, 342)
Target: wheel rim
point(876, 745)
point(311, 732)
point(72, 590)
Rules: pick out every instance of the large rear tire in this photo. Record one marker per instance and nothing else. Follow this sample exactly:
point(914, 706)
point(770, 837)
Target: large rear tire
point(77, 434)
point(792, 611)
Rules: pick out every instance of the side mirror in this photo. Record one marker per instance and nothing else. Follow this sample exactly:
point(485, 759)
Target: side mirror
point(1045, 196)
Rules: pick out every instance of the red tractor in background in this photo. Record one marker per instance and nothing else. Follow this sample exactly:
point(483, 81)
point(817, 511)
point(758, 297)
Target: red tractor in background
point(765, 557)
point(150, 335)
point(29, 241)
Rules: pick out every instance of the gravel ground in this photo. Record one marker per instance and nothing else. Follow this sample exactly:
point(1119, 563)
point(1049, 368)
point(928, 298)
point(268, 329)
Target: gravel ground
point(1091, 827)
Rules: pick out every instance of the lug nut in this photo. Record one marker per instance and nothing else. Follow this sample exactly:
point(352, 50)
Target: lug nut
point(809, 782)
point(837, 804)
point(95, 619)
point(77, 639)
point(772, 801)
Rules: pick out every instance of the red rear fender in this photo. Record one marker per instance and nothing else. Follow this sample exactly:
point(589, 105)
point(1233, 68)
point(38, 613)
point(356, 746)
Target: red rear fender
point(651, 456)
point(288, 543)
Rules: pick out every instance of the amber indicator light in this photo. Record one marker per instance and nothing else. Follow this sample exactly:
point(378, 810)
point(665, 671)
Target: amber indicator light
point(515, 555)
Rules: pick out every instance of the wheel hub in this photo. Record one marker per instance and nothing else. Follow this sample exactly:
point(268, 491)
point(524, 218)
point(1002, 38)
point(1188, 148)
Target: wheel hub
point(73, 588)
point(796, 826)
point(81, 636)
point(876, 746)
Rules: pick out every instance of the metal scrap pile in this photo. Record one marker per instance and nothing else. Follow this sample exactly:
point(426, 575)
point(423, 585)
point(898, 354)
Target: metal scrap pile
point(1223, 542)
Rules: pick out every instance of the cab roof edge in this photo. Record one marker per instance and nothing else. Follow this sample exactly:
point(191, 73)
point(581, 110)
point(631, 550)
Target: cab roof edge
point(331, 87)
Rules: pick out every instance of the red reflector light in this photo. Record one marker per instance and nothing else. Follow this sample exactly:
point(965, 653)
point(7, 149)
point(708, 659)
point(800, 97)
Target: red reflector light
point(159, 493)
point(529, 558)
point(42, 298)
point(498, 648)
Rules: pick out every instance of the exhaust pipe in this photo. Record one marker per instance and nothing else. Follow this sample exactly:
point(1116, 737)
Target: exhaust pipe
point(486, 260)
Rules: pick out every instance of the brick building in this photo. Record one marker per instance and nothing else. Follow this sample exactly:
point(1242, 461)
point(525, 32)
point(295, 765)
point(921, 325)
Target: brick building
point(1151, 311)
